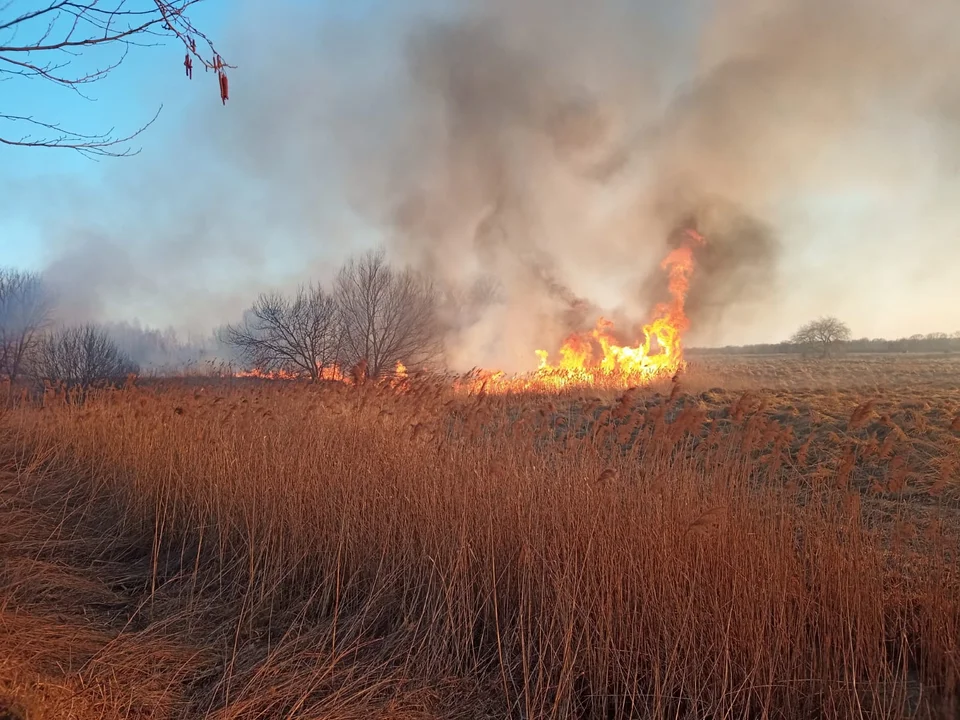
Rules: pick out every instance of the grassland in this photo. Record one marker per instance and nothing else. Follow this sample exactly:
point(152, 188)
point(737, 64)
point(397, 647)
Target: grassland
point(767, 538)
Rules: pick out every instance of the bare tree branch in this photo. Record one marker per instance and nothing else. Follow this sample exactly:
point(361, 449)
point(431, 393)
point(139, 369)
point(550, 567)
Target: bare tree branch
point(388, 316)
point(80, 357)
point(298, 336)
point(87, 145)
point(44, 42)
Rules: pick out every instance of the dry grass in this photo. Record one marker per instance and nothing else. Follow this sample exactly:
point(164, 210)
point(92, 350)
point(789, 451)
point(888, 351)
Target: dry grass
point(271, 550)
point(860, 372)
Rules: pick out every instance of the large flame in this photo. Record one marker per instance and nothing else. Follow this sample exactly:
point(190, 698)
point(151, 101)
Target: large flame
point(595, 358)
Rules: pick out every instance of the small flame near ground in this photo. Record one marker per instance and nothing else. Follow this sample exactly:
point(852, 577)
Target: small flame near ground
point(332, 372)
point(590, 359)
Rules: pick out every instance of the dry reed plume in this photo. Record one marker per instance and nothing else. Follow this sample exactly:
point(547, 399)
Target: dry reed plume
point(251, 549)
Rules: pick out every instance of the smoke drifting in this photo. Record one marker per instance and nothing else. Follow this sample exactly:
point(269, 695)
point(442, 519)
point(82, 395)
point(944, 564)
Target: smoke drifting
point(536, 157)
point(736, 266)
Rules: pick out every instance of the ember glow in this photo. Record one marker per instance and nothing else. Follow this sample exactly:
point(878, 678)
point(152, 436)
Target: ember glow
point(266, 375)
point(331, 372)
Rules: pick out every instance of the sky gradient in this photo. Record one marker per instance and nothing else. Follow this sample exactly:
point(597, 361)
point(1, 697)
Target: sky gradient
point(851, 162)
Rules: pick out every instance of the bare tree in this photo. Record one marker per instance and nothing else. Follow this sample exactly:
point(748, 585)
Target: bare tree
point(388, 315)
point(299, 335)
point(45, 43)
point(823, 334)
point(80, 356)
point(25, 309)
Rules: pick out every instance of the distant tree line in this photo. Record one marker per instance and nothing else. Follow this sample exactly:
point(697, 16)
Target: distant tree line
point(371, 317)
point(830, 336)
point(165, 352)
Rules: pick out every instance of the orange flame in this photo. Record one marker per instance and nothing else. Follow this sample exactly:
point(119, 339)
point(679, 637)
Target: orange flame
point(332, 372)
point(659, 355)
point(400, 380)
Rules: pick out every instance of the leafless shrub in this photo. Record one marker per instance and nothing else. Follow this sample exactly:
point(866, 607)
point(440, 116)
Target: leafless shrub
point(80, 356)
point(299, 335)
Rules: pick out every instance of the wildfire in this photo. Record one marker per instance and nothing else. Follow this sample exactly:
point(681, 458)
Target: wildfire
point(331, 373)
point(586, 359)
point(266, 375)
point(595, 358)
point(400, 380)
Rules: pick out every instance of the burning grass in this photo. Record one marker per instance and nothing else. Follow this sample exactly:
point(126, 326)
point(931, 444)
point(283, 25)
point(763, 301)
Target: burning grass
point(247, 549)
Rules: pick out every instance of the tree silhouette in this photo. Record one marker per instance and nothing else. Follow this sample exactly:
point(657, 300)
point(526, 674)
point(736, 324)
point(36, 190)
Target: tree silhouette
point(298, 335)
point(388, 315)
point(823, 334)
point(80, 356)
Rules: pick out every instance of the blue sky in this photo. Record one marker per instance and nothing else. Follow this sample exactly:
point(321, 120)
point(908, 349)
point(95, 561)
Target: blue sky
point(150, 77)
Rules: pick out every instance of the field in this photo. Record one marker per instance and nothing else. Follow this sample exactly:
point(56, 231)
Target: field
point(768, 537)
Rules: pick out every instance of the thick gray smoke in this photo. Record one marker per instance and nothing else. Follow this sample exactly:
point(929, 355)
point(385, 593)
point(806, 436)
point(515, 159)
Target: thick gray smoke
point(537, 157)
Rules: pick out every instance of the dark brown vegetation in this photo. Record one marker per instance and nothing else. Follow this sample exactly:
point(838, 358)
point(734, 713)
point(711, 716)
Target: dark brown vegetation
point(282, 549)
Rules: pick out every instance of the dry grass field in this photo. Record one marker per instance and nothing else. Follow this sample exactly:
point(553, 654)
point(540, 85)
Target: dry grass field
point(861, 374)
point(770, 537)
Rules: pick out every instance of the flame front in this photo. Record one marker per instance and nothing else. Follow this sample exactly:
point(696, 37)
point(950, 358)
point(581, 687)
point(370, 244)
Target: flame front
point(595, 358)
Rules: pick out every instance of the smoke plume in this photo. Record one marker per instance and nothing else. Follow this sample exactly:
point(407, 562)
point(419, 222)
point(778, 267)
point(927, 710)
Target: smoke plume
point(537, 157)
